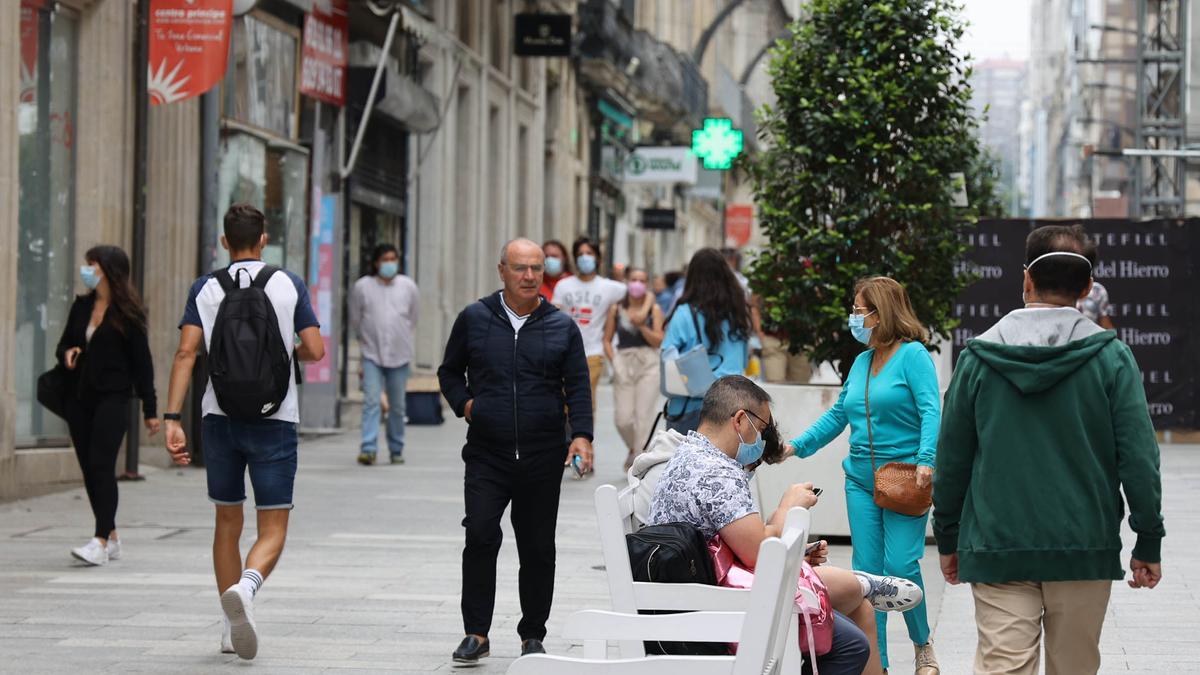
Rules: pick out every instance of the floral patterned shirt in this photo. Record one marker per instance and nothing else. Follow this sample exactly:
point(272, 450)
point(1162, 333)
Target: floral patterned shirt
point(1096, 304)
point(701, 486)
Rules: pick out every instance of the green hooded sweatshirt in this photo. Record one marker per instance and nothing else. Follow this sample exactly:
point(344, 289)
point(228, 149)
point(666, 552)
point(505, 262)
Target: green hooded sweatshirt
point(1044, 422)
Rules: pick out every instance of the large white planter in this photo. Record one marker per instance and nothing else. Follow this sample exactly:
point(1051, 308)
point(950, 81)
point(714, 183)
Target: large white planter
point(796, 407)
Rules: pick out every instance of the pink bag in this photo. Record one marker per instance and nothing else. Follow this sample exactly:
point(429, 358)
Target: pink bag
point(731, 573)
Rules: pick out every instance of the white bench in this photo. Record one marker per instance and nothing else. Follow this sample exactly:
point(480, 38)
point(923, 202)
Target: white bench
point(762, 624)
point(615, 518)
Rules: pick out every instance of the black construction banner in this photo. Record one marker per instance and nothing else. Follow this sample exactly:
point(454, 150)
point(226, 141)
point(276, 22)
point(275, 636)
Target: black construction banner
point(1152, 278)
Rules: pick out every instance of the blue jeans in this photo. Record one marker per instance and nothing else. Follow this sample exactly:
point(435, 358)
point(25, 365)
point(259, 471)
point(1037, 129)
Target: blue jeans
point(375, 377)
point(266, 447)
point(886, 543)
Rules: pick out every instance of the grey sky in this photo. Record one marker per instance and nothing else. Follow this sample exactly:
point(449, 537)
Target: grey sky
point(996, 28)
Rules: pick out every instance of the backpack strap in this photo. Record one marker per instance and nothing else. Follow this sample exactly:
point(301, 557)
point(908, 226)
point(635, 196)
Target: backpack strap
point(226, 279)
point(264, 275)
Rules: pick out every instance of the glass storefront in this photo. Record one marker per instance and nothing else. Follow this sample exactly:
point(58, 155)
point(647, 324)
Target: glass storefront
point(260, 162)
point(274, 179)
point(46, 260)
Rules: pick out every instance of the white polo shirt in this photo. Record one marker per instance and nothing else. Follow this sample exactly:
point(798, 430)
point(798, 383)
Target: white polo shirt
point(293, 310)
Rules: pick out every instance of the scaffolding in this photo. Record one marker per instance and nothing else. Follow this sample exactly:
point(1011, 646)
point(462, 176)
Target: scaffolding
point(1160, 173)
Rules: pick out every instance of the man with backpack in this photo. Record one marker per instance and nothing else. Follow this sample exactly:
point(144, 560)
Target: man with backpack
point(248, 317)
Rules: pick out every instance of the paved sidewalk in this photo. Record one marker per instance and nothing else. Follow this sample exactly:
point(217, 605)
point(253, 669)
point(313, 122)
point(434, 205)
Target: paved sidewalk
point(370, 579)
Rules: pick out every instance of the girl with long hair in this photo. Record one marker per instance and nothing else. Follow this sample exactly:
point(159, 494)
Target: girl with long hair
point(104, 346)
point(712, 311)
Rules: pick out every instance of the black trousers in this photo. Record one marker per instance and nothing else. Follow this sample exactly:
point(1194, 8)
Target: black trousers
point(532, 486)
point(98, 424)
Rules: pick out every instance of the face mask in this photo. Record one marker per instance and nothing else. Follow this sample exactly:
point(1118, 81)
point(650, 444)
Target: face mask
point(90, 277)
point(553, 265)
point(586, 264)
point(858, 330)
point(637, 289)
point(389, 269)
point(749, 453)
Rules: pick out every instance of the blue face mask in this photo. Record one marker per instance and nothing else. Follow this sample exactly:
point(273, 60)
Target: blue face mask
point(553, 265)
point(586, 264)
point(858, 330)
point(389, 269)
point(749, 453)
point(90, 277)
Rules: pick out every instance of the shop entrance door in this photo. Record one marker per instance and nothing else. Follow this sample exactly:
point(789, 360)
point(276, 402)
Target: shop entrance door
point(369, 226)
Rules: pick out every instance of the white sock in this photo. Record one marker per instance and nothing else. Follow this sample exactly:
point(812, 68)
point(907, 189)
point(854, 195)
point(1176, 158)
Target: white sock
point(251, 581)
point(864, 583)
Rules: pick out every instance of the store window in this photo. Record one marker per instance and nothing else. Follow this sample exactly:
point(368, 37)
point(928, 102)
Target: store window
point(274, 179)
point(46, 261)
point(260, 162)
point(260, 84)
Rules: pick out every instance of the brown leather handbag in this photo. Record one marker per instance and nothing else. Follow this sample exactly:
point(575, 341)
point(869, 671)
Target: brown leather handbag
point(896, 482)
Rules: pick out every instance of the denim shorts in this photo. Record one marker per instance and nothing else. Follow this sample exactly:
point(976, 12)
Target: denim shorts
point(267, 447)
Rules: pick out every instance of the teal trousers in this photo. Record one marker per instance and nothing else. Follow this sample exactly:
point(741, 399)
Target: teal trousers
point(887, 543)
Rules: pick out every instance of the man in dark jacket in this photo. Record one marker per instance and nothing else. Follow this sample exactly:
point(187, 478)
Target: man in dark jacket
point(513, 363)
point(1045, 422)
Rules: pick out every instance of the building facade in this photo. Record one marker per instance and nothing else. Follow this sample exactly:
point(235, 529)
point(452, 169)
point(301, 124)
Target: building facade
point(465, 146)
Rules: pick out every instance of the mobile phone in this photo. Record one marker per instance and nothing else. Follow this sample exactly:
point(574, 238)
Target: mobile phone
point(811, 548)
point(577, 466)
point(817, 491)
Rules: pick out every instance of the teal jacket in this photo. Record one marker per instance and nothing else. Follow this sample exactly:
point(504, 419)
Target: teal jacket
point(905, 410)
point(729, 357)
point(1045, 421)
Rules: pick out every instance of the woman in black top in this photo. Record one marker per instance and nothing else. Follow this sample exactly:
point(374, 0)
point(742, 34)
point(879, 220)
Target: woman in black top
point(104, 346)
point(637, 324)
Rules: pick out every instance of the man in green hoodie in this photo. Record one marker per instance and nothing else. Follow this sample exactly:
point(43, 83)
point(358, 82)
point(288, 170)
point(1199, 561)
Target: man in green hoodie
point(1044, 422)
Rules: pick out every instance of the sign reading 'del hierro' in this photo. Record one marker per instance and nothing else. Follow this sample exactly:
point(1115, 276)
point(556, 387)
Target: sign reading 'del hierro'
point(542, 34)
point(661, 165)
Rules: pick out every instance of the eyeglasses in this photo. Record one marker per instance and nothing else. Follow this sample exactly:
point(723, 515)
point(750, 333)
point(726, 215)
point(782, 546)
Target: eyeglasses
point(862, 311)
point(765, 423)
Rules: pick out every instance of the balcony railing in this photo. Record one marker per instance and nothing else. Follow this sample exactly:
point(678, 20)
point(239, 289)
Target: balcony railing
point(665, 85)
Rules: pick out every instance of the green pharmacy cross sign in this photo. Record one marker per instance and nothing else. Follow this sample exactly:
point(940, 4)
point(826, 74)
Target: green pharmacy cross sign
point(718, 143)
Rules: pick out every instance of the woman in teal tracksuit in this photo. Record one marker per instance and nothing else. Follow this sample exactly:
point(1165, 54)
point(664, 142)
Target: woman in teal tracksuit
point(905, 416)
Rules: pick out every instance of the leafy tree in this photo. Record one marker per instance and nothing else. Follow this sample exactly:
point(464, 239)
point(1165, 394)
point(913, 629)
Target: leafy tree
point(872, 120)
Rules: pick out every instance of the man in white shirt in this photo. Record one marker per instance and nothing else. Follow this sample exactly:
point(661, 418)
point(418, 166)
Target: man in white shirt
point(266, 446)
point(586, 297)
point(383, 314)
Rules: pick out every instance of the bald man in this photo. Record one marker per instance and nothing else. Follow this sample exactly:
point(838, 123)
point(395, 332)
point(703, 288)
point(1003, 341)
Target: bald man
point(509, 342)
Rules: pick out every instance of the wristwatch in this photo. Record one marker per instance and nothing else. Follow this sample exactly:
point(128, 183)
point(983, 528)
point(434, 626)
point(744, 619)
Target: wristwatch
point(173, 417)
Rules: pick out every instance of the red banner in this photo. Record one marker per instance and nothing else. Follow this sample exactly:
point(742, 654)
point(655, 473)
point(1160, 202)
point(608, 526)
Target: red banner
point(29, 49)
point(324, 58)
point(739, 219)
point(189, 43)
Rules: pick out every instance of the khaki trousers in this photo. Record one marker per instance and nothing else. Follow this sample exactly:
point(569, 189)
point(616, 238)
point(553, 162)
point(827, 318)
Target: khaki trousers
point(635, 393)
point(1011, 616)
point(778, 365)
point(595, 370)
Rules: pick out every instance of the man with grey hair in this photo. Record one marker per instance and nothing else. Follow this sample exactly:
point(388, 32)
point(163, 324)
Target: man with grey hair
point(513, 341)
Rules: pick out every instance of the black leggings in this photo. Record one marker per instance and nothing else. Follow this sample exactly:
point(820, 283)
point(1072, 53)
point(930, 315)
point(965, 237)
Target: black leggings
point(98, 424)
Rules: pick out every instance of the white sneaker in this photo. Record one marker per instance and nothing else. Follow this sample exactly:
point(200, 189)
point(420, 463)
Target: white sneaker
point(92, 553)
point(226, 637)
point(239, 610)
point(891, 594)
point(114, 549)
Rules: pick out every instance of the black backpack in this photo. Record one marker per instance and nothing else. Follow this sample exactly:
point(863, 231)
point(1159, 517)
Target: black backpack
point(248, 363)
point(674, 553)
